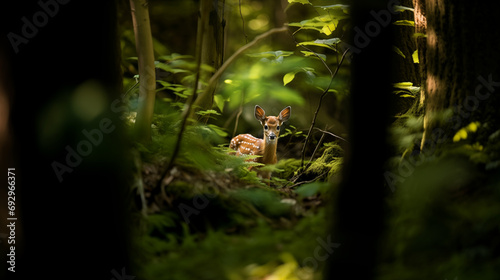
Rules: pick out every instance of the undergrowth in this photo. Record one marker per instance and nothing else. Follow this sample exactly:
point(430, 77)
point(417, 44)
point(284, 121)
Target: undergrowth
point(215, 219)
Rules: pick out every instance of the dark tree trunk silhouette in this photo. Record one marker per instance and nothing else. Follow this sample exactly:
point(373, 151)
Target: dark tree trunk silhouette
point(359, 211)
point(75, 225)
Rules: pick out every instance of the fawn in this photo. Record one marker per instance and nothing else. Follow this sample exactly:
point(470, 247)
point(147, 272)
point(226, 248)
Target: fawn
point(246, 144)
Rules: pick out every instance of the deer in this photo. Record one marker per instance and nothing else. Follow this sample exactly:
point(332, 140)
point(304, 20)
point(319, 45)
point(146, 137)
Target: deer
point(246, 144)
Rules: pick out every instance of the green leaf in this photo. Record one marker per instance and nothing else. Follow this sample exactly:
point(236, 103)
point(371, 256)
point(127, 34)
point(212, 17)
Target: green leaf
point(404, 22)
point(399, 8)
point(288, 77)
point(169, 68)
point(464, 132)
point(408, 86)
point(403, 85)
point(418, 35)
point(311, 189)
point(326, 43)
point(315, 55)
point(275, 54)
point(220, 101)
point(218, 130)
point(461, 134)
point(336, 7)
point(305, 2)
point(473, 126)
point(398, 51)
point(415, 57)
point(406, 96)
point(329, 28)
point(207, 112)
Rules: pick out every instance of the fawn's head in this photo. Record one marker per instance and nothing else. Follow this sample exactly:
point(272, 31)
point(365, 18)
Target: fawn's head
point(271, 124)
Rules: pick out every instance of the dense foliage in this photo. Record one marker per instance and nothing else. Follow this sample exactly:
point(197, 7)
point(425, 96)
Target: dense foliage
point(201, 214)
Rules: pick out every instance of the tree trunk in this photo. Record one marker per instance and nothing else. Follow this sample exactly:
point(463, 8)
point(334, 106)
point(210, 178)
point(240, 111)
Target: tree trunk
point(211, 30)
point(147, 77)
point(58, 220)
point(359, 214)
point(462, 69)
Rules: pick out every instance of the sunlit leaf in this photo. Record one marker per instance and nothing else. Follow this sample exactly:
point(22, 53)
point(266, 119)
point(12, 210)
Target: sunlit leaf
point(305, 2)
point(403, 85)
point(461, 134)
point(419, 35)
point(207, 112)
point(415, 57)
point(288, 78)
point(399, 8)
point(473, 126)
point(404, 22)
point(327, 43)
point(406, 96)
point(407, 86)
point(328, 28)
point(315, 55)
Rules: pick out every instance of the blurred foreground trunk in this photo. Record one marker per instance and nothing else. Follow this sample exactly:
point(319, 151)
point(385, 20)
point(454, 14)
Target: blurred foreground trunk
point(359, 214)
point(68, 145)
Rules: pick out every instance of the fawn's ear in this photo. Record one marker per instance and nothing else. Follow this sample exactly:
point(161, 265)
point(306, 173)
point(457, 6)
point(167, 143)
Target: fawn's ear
point(285, 114)
point(260, 114)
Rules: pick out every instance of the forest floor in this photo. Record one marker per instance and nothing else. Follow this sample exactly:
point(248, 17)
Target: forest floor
point(217, 220)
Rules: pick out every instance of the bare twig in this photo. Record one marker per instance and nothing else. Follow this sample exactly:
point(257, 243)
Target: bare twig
point(306, 182)
point(329, 133)
point(315, 149)
point(243, 23)
point(319, 104)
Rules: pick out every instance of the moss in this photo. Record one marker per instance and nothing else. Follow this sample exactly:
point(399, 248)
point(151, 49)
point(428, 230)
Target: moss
point(327, 165)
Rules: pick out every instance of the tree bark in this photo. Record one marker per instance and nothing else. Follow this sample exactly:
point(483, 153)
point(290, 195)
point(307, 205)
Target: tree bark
point(462, 69)
point(211, 30)
point(147, 76)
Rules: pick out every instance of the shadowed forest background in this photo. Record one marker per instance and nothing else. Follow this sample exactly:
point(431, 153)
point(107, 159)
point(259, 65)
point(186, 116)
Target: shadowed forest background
point(117, 117)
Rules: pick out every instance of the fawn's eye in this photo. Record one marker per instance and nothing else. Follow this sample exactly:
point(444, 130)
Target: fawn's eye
point(266, 127)
point(278, 127)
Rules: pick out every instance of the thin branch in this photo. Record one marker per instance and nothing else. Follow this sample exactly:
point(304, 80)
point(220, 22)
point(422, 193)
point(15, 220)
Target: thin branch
point(203, 98)
point(306, 182)
point(316, 149)
point(243, 23)
point(329, 133)
point(319, 104)
point(187, 110)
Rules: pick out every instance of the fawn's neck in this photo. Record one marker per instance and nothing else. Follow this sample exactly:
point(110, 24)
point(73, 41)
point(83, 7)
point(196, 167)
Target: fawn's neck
point(269, 152)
